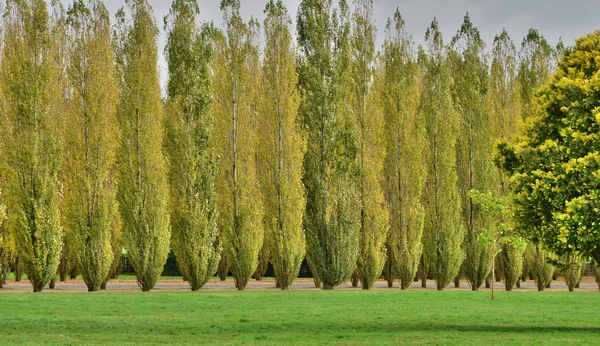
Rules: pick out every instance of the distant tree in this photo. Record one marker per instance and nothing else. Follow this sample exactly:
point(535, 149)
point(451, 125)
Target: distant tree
point(443, 232)
point(192, 166)
point(405, 168)
point(31, 133)
point(554, 163)
point(367, 112)
point(469, 66)
point(239, 199)
point(281, 149)
point(505, 107)
point(332, 219)
point(570, 266)
point(142, 172)
point(535, 66)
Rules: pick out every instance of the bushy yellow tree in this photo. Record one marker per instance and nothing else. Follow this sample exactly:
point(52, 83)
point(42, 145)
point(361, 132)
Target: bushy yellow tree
point(91, 141)
point(405, 167)
point(235, 114)
point(443, 233)
point(281, 149)
point(192, 167)
point(31, 131)
point(142, 174)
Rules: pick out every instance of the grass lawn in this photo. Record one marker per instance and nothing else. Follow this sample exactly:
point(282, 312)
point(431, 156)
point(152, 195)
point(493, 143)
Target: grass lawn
point(300, 317)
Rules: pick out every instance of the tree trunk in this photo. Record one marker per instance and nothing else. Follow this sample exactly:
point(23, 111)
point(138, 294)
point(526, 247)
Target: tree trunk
point(354, 279)
point(52, 284)
point(327, 286)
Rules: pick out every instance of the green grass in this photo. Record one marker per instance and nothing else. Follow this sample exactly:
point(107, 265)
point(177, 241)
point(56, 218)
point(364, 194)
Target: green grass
point(301, 317)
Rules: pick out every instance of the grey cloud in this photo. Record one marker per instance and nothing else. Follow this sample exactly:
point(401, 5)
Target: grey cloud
point(554, 19)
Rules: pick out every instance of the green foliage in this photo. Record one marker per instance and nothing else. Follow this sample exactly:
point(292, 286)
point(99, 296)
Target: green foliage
point(553, 175)
point(192, 166)
point(469, 66)
point(142, 172)
point(405, 140)
point(504, 103)
point(535, 64)
point(91, 143)
point(236, 114)
point(31, 132)
point(365, 105)
point(332, 219)
point(281, 149)
point(444, 231)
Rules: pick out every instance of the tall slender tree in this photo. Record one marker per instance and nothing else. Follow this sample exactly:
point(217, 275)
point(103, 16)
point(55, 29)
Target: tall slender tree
point(474, 147)
point(31, 131)
point(91, 141)
point(332, 219)
point(282, 147)
point(535, 65)
point(444, 233)
point(367, 114)
point(239, 199)
point(142, 173)
point(405, 168)
point(504, 103)
point(192, 166)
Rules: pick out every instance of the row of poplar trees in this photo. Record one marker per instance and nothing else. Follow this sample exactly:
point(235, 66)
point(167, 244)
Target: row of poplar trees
point(266, 148)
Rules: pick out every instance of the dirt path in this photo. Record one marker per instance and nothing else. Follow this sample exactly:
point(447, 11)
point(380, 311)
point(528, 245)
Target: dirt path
point(176, 284)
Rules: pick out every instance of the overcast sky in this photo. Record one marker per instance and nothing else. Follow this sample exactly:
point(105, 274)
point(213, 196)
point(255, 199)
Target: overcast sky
point(553, 19)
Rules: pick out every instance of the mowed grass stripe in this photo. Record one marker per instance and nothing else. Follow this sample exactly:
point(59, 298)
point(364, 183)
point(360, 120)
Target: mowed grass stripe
point(300, 317)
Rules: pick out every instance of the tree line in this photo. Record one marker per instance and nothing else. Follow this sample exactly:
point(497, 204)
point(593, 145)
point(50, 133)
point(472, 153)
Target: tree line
point(266, 148)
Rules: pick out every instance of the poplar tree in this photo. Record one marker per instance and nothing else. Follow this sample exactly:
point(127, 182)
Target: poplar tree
point(505, 107)
point(91, 141)
point(239, 199)
point(31, 134)
point(535, 64)
point(142, 174)
point(282, 146)
point(405, 169)
point(474, 147)
point(443, 232)
point(332, 219)
point(192, 166)
point(367, 114)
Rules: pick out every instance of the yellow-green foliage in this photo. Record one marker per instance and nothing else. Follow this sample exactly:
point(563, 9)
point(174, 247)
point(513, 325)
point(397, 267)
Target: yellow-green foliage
point(541, 269)
point(443, 233)
point(235, 115)
point(405, 168)
point(367, 113)
point(281, 148)
point(31, 134)
point(142, 174)
point(504, 104)
point(91, 141)
point(474, 146)
point(554, 166)
point(572, 266)
point(535, 67)
point(192, 167)
point(332, 219)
